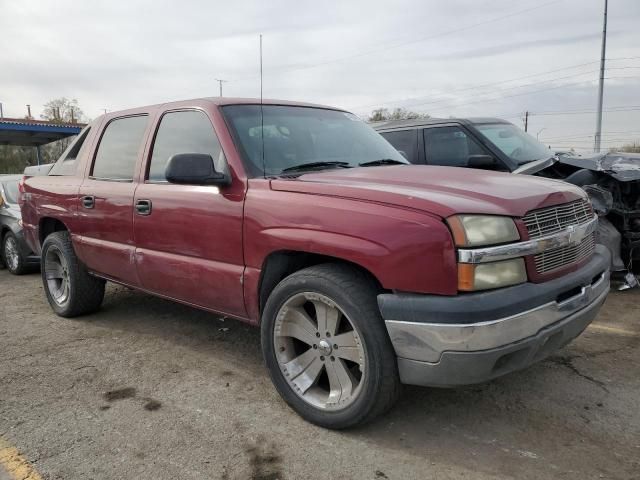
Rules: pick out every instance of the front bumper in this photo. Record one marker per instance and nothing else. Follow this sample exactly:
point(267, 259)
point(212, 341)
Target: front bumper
point(472, 338)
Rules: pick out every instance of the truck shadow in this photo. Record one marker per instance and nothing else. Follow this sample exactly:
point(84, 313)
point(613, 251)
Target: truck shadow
point(547, 417)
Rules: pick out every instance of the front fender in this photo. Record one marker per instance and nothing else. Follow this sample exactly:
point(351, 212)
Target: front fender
point(405, 250)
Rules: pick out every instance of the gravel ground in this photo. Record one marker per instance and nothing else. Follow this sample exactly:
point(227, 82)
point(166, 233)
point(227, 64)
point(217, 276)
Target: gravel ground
point(149, 389)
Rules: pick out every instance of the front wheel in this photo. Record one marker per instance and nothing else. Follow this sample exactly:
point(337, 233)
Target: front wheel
point(70, 289)
point(326, 346)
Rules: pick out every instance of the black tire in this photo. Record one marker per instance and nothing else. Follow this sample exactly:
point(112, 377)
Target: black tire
point(85, 292)
point(355, 294)
point(20, 267)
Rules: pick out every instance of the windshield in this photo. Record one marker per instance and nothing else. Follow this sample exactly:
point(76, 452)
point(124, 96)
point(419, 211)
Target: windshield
point(295, 136)
point(513, 142)
point(11, 191)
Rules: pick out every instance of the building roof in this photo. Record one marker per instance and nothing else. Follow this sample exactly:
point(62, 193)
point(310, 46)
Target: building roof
point(30, 132)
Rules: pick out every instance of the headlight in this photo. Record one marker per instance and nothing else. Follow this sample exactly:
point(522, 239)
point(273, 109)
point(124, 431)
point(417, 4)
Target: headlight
point(480, 230)
point(483, 276)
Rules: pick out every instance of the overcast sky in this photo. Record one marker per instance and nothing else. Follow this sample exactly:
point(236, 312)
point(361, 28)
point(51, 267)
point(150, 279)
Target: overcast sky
point(442, 57)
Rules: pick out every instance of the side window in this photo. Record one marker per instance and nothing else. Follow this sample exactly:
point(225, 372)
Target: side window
point(188, 131)
point(450, 146)
point(66, 164)
point(406, 142)
point(118, 150)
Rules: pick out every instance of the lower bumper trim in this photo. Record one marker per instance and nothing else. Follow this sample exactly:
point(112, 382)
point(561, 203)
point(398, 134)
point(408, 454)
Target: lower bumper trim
point(466, 368)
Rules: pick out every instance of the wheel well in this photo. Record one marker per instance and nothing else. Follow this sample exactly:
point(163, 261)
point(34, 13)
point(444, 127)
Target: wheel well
point(279, 265)
point(49, 226)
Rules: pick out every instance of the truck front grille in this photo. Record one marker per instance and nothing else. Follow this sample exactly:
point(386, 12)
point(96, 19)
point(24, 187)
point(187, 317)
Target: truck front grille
point(559, 257)
point(550, 220)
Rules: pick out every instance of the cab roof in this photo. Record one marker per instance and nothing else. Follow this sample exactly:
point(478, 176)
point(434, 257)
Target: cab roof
point(220, 101)
point(419, 122)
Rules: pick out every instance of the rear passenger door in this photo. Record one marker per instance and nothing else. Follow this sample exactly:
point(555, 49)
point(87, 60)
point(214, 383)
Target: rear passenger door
point(406, 142)
point(189, 238)
point(105, 227)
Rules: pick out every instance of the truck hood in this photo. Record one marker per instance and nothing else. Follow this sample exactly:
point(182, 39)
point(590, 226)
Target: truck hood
point(624, 167)
point(441, 191)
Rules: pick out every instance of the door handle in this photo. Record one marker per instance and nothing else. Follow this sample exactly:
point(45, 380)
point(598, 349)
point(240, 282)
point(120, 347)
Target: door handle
point(143, 207)
point(89, 201)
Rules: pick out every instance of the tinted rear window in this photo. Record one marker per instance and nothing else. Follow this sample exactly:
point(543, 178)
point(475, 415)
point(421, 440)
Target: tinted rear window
point(66, 164)
point(119, 148)
point(405, 141)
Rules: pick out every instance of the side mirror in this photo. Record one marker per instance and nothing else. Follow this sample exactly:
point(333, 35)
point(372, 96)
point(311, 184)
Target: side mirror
point(481, 161)
point(601, 199)
point(194, 169)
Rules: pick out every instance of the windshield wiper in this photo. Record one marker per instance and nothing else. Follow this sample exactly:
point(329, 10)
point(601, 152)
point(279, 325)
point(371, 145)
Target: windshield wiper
point(312, 165)
point(382, 161)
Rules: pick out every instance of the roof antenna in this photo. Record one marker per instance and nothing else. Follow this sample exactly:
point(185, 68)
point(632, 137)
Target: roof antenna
point(264, 167)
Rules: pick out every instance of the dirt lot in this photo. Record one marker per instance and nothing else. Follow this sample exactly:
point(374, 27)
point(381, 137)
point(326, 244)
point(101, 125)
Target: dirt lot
point(148, 389)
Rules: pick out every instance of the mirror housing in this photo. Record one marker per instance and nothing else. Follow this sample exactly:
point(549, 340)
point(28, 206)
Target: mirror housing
point(481, 161)
point(601, 199)
point(404, 154)
point(194, 169)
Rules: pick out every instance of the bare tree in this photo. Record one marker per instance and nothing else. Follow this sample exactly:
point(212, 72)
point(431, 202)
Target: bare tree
point(60, 110)
point(63, 110)
point(381, 114)
point(633, 147)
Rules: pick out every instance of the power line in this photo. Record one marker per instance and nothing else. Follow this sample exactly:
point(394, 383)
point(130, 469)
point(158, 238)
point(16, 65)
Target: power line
point(405, 43)
point(629, 108)
point(511, 96)
point(478, 87)
point(490, 84)
point(578, 137)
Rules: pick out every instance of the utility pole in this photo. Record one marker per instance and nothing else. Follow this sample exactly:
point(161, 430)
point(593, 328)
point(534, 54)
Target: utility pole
point(1, 112)
point(220, 81)
point(539, 132)
point(526, 120)
point(596, 145)
point(29, 112)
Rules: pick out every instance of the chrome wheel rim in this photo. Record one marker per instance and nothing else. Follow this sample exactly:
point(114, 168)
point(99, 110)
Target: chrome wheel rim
point(11, 254)
point(56, 272)
point(319, 351)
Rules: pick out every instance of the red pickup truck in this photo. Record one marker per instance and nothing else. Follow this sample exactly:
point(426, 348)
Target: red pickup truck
point(362, 271)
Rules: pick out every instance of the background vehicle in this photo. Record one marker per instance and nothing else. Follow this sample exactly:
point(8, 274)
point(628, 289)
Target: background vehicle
point(15, 254)
point(360, 269)
point(494, 144)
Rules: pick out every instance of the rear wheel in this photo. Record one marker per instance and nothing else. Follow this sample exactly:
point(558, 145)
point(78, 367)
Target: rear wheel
point(11, 255)
point(70, 289)
point(326, 346)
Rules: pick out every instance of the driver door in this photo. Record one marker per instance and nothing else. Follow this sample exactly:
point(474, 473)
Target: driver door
point(189, 238)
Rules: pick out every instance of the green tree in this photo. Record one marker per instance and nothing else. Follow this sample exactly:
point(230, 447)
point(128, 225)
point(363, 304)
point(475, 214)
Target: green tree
point(381, 114)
